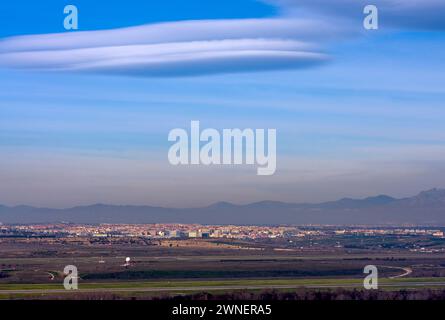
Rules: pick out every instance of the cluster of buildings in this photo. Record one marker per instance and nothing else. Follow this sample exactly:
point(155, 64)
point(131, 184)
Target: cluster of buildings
point(154, 231)
point(185, 231)
point(391, 231)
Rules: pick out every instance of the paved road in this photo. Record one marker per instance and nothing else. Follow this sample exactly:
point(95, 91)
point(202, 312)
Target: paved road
point(406, 271)
point(210, 288)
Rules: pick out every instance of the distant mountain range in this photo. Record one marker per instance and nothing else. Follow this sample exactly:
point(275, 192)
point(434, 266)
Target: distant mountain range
point(426, 208)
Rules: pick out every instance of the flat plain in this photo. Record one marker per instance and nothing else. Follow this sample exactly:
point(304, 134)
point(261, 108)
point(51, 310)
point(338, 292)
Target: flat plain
point(33, 268)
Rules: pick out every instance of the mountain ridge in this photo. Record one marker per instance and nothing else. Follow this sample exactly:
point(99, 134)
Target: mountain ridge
point(427, 207)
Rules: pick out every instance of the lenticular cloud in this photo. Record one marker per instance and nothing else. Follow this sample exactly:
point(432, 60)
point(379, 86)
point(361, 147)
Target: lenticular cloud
point(196, 47)
point(173, 49)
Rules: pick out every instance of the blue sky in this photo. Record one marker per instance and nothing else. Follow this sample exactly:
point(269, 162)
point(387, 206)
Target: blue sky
point(359, 113)
point(25, 17)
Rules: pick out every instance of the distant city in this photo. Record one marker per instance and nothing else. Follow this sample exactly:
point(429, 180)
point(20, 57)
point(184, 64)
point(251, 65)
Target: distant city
point(187, 231)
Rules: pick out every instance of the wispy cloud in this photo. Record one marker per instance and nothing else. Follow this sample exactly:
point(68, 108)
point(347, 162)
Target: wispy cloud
point(291, 41)
point(406, 14)
point(177, 48)
point(177, 58)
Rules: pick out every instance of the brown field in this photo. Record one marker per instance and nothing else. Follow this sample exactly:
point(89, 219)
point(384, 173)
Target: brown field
point(30, 263)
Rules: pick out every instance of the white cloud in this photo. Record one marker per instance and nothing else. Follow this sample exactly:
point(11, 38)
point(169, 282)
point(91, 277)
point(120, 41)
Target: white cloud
point(177, 48)
point(177, 58)
point(293, 40)
point(173, 32)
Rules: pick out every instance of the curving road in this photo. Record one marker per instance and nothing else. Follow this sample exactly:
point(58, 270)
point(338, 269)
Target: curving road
point(406, 271)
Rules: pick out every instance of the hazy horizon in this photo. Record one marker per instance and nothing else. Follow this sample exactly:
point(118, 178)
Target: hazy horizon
point(435, 189)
